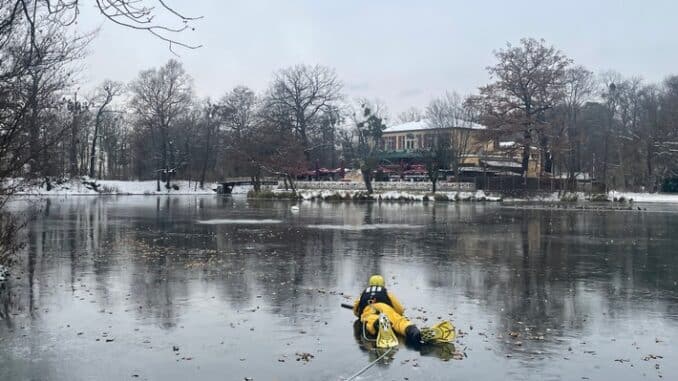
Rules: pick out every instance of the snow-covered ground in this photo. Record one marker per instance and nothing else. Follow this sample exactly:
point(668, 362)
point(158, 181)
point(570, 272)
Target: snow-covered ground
point(611, 196)
point(115, 187)
point(645, 197)
point(80, 187)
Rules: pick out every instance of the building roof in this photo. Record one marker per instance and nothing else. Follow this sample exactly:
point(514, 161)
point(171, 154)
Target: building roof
point(424, 124)
point(502, 163)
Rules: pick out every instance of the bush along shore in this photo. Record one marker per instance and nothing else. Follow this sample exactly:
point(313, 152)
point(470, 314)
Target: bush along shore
point(394, 196)
point(567, 200)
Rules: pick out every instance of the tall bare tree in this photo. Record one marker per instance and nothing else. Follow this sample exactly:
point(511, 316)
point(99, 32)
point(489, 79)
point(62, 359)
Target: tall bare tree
point(578, 88)
point(160, 98)
point(528, 82)
point(412, 114)
point(301, 98)
point(240, 125)
point(102, 99)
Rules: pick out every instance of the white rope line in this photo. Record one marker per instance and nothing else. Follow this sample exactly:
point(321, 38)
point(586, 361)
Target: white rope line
point(368, 366)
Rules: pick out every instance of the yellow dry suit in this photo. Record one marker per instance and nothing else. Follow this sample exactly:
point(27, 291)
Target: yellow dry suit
point(375, 300)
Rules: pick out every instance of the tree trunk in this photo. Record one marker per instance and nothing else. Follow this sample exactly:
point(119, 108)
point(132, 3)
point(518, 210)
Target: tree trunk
point(34, 130)
point(526, 160)
point(433, 185)
point(73, 152)
point(101, 167)
point(367, 177)
point(165, 159)
point(649, 181)
point(291, 181)
point(93, 153)
point(622, 173)
point(208, 145)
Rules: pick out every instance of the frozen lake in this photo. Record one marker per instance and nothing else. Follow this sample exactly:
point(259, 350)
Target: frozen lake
point(210, 288)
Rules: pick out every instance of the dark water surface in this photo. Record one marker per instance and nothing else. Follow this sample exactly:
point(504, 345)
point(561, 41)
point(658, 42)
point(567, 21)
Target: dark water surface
point(208, 288)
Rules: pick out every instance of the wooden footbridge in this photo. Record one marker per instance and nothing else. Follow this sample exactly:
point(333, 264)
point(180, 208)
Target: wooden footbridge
point(226, 186)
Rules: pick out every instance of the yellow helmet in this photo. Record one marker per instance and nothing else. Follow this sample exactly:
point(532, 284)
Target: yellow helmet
point(377, 280)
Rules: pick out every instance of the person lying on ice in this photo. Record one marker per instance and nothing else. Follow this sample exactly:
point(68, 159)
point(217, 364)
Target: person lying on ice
point(381, 313)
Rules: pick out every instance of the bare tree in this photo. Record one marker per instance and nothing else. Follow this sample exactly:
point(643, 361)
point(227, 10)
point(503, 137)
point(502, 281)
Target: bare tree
point(579, 88)
point(452, 120)
point(160, 98)
point(279, 153)
point(437, 156)
point(300, 98)
point(412, 114)
point(243, 105)
point(610, 97)
point(240, 124)
point(212, 119)
point(115, 145)
point(36, 67)
point(104, 96)
point(133, 14)
point(665, 133)
point(528, 82)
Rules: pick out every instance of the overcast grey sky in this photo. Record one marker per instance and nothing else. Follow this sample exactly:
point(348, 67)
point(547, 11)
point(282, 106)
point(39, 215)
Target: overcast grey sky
point(402, 52)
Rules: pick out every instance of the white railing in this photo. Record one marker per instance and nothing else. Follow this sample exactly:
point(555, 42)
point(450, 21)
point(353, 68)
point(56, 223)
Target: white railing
point(420, 186)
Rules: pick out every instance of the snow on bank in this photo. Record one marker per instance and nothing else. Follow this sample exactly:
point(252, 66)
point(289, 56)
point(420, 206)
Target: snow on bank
point(116, 187)
point(612, 196)
point(341, 195)
point(644, 197)
point(545, 197)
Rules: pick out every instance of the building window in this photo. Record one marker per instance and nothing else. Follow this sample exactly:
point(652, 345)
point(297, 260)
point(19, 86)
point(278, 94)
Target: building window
point(390, 143)
point(409, 144)
point(428, 140)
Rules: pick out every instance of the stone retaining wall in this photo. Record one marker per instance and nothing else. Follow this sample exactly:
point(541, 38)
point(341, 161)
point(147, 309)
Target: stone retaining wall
point(380, 186)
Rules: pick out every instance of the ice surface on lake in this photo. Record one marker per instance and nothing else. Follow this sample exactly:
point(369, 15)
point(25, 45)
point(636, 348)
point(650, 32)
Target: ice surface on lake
point(226, 221)
point(363, 227)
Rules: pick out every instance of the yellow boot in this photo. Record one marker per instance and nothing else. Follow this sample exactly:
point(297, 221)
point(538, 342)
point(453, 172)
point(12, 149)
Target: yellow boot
point(386, 338)
point(442, 332)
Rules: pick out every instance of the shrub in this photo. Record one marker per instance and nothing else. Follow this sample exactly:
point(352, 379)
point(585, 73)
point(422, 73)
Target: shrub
point(108, 189)
point(569, 197)
point(270, 195)
point(599, 197)
point(441, 197)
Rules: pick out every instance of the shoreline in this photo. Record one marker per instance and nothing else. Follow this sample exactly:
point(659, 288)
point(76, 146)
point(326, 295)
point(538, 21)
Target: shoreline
point(84, 187)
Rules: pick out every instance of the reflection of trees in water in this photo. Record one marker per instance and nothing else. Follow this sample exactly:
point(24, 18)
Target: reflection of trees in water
point(529, 266)
point(533, 269)
point(66, 242)
point(284, 260)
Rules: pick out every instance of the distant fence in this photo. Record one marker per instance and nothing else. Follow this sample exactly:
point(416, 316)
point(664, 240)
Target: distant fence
point(517, 185)
point(506, 185)
point(382, 186)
